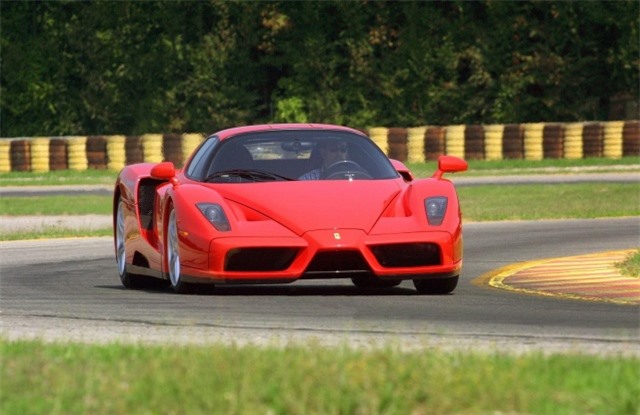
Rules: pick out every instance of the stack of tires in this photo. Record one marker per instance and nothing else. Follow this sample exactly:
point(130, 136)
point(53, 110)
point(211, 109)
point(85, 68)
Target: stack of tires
point(5, 156)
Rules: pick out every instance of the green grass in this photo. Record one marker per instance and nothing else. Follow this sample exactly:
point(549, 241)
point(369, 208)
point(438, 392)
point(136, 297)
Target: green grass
point(56, 205)
point(630, 267)
point(42, 378)
point(549, 201)
point(57, 178)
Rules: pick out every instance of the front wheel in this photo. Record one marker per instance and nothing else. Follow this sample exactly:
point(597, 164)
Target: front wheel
point(436, 286)
point(173, 255)
point(128, 280)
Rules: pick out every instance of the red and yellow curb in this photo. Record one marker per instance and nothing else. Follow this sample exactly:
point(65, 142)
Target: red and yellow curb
point(591, 277)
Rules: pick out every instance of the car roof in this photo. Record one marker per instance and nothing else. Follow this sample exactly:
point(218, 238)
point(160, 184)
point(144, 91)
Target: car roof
point(230, 132)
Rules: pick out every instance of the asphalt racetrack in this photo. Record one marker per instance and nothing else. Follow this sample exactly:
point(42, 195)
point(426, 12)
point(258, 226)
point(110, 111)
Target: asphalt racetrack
point(68, 289)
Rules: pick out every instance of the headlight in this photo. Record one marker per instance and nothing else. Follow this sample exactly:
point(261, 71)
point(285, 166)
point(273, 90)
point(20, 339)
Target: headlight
point(214, 214)
point(436, 208)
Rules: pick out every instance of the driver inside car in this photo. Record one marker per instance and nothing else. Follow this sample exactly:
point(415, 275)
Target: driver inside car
point(330, 154)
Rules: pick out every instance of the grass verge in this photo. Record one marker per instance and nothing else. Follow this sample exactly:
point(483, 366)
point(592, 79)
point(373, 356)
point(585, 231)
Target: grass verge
point(58, 178)
point(630, 267)
point(546, 201)
point(56, 205)
point(40, 378)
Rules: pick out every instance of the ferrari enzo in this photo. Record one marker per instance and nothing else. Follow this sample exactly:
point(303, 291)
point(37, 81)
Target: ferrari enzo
point(283, 202)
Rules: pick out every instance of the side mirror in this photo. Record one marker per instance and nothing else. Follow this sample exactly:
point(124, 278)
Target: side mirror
point(449, 164)
point(403, 170)
point(163, 171)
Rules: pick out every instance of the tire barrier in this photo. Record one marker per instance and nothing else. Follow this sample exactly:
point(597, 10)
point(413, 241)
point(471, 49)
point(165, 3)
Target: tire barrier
point(116, 154)
point(532, 141)
point(133, 149)
point(379, 136)
point(513, 142)
point(172, 148)
point(58, 157)
point(592, 136)
point(77, 153)
point(97, 152)
point(416, 139)
point(397, 139)
point(189, 143)
point(20, 155)
point(552, 141)
point(573, 148)
point(631, 138)
point(493, 142)
point(5, 156)
point(612, 147)
point(39, 154)
point(152, 148)
point(435, 143)
point(474, 141)
point(454, 140)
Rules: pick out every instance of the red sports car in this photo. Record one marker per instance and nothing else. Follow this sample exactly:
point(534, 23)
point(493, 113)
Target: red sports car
point(283, 202)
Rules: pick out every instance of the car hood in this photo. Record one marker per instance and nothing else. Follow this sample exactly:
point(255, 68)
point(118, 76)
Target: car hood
point(311, 205)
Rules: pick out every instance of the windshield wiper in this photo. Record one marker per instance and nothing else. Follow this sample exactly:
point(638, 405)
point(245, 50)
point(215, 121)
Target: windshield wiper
point(255, 175)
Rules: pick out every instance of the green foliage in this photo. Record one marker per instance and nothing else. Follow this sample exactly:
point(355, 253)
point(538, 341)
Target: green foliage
point(291, 110)
point(108, 67)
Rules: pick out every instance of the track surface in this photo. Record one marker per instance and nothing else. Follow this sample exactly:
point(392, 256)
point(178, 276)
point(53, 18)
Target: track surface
point(69, 289)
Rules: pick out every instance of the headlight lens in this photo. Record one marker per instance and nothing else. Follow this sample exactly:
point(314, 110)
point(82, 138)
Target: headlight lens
point(215, 215)
point(436, 208)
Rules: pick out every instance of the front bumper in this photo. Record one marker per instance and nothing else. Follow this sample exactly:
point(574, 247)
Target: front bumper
point(329, 253)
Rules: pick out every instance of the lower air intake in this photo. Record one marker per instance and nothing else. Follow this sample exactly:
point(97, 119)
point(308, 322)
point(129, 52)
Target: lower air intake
point(338, 261)
point(260, 259)
point(407, 255)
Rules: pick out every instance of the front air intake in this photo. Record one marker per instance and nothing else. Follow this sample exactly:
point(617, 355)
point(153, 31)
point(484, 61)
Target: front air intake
point(260, 259)
point(407, 255)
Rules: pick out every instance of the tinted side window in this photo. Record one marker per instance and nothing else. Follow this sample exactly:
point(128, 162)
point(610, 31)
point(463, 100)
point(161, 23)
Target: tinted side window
point(200, 161)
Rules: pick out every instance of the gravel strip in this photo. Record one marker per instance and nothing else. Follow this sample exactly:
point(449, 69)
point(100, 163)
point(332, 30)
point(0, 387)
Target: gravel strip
point(60, 329)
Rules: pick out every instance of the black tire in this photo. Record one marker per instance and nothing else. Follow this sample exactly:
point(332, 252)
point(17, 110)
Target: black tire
point(436, 286)
point(364, 282)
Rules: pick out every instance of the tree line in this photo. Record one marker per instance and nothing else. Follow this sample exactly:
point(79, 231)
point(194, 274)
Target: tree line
point(126, 67)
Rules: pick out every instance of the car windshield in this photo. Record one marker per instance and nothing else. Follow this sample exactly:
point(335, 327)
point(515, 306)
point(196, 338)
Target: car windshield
point(292, 155)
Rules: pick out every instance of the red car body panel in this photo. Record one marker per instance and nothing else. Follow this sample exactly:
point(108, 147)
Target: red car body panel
point(281, 231)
